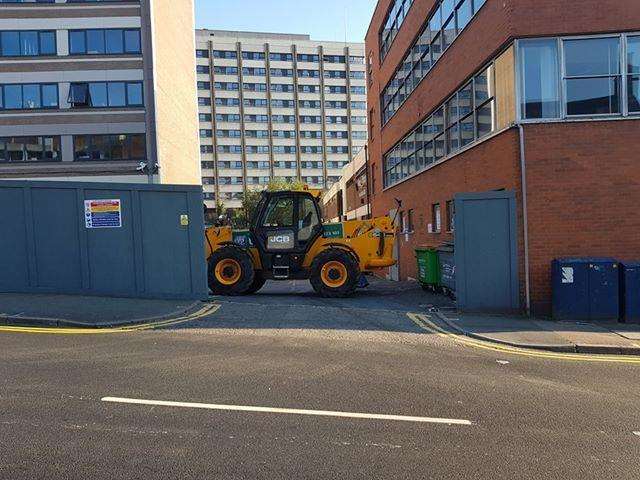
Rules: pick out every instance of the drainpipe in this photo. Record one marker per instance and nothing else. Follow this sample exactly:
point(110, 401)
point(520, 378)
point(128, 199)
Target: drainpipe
point(525, 218)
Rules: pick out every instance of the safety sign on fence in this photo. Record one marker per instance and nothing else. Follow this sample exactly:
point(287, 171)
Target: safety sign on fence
point(103, 213)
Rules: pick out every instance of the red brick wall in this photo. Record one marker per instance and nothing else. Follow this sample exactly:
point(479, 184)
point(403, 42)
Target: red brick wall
point(583, 178)
point(491, 165)
point(351, 199)
point(330, 209)
point(583, 184)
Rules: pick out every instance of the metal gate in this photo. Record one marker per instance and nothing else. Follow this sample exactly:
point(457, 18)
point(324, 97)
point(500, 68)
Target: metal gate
point(102, 239)
point(486, 252)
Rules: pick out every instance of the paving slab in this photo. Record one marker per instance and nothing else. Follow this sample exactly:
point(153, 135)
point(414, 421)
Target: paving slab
point(511, 331)
point(522, 332)
point(630, 331)
point(59, 310)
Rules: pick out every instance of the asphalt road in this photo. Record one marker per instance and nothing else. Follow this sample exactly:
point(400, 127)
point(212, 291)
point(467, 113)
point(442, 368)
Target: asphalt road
point(530, 418)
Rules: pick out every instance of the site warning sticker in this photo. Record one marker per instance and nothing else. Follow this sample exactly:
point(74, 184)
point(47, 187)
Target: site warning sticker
point(103, 213)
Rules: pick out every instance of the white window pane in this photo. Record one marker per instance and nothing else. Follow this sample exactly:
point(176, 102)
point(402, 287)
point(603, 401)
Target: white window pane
point(539, 79)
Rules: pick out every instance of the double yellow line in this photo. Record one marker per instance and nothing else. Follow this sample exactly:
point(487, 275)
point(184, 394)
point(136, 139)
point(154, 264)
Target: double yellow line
point(203, 312)
point(425, 323)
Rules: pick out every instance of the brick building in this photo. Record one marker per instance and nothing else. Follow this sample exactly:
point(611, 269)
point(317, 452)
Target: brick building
point(538, 97)
point(348, 198)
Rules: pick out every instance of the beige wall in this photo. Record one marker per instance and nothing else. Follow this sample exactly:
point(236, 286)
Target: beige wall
point(175, 94)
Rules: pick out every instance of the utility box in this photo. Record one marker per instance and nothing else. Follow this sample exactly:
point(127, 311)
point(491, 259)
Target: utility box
point(586, 289)
point(630, 292)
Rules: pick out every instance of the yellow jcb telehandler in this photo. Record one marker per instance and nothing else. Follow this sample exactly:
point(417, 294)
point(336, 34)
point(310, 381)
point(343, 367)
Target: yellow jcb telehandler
point(287, 240)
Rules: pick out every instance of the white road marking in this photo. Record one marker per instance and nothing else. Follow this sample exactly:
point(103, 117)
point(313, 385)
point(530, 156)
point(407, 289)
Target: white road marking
point(291, 411)
point(502, 362)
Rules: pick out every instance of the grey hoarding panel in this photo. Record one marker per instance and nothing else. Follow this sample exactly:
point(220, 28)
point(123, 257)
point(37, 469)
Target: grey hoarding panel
point(112, 270)
point(14, 255)
point(486, 252)
point(138, 245)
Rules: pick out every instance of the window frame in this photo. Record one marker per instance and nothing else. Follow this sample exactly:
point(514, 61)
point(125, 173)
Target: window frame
point(56, 142)
point(110, 146)
point(39, 33)
point(436, 218)
point(624, 76)
point(23, 109)
point(127, 103)
point(402, 162)
point(104, 31)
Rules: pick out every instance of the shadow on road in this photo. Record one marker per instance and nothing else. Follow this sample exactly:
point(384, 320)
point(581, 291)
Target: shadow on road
point(294, 305)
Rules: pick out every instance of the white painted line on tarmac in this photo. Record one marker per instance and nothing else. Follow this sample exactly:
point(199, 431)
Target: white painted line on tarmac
point(290, 411)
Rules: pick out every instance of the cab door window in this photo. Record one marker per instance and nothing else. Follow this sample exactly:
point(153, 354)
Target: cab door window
point(307, 219)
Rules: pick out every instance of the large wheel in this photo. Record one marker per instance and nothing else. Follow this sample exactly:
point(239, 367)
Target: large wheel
point(231, 271)
point(258, 283)
point(335, 273)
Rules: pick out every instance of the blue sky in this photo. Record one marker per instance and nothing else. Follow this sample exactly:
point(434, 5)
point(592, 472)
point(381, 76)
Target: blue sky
point(322, 19)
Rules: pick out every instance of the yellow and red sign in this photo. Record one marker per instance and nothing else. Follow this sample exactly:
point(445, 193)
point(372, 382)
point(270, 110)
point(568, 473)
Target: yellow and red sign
point(103, 213)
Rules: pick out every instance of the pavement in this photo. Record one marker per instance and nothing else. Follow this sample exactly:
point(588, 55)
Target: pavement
point(575, 337)
point(288, 299)
point(86, 311)
point(284, 385)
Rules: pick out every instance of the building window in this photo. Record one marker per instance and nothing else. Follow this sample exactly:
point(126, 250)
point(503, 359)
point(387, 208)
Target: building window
point(539, 79)
point(439, 31)
point(202, 54)
point(131, 147)
point(592, 76)
point(30, 149)
point(633, 72)
point(104, 41)
point(398, 11)
point(591, 81)
point(28, 43)
point(410, 225)
point(436, 218)
point(466, 117)
point(229, 54)
point(106, 94)
point(451, 215)
point(29, 96)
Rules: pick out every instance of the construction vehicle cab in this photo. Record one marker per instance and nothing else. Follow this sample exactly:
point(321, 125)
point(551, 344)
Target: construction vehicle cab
point(287, 240)
point(286, 224)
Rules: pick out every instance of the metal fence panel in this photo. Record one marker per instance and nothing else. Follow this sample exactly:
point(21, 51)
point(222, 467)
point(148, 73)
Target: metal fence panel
point(102, 239)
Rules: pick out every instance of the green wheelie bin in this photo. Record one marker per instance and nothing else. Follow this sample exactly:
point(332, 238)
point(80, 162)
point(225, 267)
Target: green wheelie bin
point(428, 268)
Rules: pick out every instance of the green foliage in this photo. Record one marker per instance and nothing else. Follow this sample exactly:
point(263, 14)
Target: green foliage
point(282, 185)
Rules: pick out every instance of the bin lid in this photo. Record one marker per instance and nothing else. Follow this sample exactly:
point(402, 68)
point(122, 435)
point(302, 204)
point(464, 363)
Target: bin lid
point(586, 260)
point(445, 247)
point(630, 264)
point(424, 249)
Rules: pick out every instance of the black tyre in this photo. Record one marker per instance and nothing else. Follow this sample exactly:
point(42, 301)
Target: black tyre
point(335, 273)
point(258, 283)
point(231, 271)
